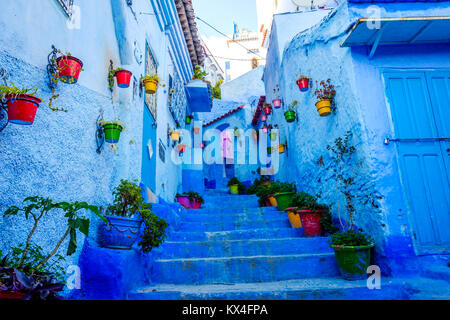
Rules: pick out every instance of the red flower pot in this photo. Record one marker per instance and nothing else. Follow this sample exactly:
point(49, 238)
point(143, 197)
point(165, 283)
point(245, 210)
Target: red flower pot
point(123, 78)
point(22, 108)
point(311, 222)
point(303, 84)
point(267, 110)
point(69, 68)
point(12, 295)
point(263, 117)
point(276, 103)
point(184, 201)
point(196, 204)
point(265, 129)
point(181, 147)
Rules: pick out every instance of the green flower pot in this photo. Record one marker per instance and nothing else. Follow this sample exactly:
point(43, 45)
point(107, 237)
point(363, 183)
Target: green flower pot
point(188, 120)
point(269, 150)
point(289, 115)
point(353, 261)
point(112, 132)
point(283, 199)
point(234, 189)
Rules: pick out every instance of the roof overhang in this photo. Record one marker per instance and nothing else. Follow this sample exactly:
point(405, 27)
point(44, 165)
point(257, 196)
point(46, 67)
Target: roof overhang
point(199, 95)
point(375, 32)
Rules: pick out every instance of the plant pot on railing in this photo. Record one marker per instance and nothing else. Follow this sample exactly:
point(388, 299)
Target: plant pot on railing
point(289, 115)
point(69, 69)
point(303, 84)
point(120, 233)
point(22, 108)
point(311, 222)
point(294, 218)
point(123, 78)
point(283, 199)
point(112, 131)
point(276, 103)
point(353, 261)
point(324, 107)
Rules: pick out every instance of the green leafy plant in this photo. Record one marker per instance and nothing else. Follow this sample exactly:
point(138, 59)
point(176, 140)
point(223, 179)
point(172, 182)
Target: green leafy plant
point(29, 257)
point(263, 191)
point(351, 238)
point(153, 77)
point(292, 105)
point(216, 90)
point(306, 201)
point(199, 73)
point(128, 202)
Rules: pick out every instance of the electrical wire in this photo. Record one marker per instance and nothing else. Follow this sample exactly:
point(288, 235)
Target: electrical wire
point(223, 34)
point(236, 59)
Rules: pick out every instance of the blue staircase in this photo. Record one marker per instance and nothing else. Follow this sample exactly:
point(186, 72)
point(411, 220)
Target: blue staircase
point(232, 249)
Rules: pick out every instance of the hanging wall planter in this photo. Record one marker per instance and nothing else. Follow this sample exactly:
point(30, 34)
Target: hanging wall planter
point(69, 68)
point(289, 115)
point(325, 93)
point(196, 130)
point(303, 83)
point(276, 103)
point(112, 131)
point(22, 108)
point(281, 148)
point(175, 135)
point(267, 109)
point(188, 119)
point(181, 148)
point(123, 78)
point(151, 83)
point(263, 118)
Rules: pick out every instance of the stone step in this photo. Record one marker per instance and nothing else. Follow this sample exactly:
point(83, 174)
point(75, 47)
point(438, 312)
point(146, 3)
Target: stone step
point(266, 233)
point(251, 247)
point(298, 289)
point(225, 211)
point(240, 269)
point(192, 216)
point(282, 222)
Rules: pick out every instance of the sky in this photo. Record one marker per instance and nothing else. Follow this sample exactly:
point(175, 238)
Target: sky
point(222, 13)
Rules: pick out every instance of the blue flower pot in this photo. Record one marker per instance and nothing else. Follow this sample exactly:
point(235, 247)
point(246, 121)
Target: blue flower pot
point(120, 234)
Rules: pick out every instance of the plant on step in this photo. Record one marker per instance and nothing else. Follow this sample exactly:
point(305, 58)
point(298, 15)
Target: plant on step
point(35, 265)
point(129, 203)
point(194, 196)
point(199, 73)
point(325, 93)
point(236, 187)
point(351, 246)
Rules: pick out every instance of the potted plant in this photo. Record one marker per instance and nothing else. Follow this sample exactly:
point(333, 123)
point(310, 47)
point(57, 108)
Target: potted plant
point(196, 130)
point(325, 94)
point(263, 118)
point(123, 77)
point(189, 119)
point(125, 216)
point(181, 148)
point(277, 101)
point(175, 135)
point(289, 115)
point(22, 104)
point(352, 247)
point(284, 194)
point(273, 135)
point(151, 83)
point(352, 250)
point(236, 187)
point(294, 218)
point(28, 272)
point(112, 130)
point(69, 68)
point(190, 200)
point(303, 83)
point(267, 108)
point(236, 132)
point(281, 148)
point(199, 74)
point(310, 212)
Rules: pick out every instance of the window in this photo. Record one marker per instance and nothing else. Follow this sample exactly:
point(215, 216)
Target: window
point(150, 68)
point(67, 6)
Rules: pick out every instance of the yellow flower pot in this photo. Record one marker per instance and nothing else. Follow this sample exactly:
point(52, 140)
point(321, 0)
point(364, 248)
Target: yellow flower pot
point(281, 148)
point(175, 136)
point(294, 218)
point(234, 189)
point(150, 86)
point(273, 201)
point(324, 107)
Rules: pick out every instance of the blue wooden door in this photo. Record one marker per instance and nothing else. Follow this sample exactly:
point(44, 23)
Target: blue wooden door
point(417, 101)
point(149, 152)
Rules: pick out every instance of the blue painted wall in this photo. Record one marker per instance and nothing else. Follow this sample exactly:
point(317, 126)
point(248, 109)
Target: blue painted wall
point(56, 156)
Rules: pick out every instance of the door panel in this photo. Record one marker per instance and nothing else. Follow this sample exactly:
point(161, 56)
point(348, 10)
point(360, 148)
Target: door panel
point(423, 166)
point(149, 152)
